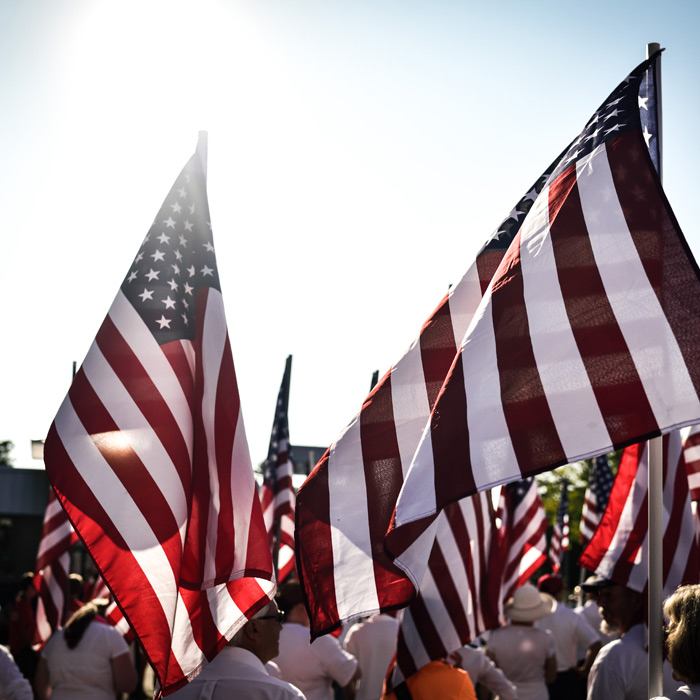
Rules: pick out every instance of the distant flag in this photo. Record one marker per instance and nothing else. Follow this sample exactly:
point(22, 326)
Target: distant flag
point(523, 533)
point(600, 482)
point(560, 532)
point(691, 453)
point(148, 452)
point(52, 569)
point(459, 596)
point(619, 548)
point(277, 492)
point(513, 359)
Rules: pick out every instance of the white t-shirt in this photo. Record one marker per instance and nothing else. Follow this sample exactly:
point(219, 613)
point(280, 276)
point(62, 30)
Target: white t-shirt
point(312, 667)
point(569, 631)
point(84, 673)
point(13, 685)
point(373, 644)
point(520, 652)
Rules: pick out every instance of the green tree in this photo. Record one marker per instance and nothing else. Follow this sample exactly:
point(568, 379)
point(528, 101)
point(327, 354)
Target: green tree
point(6, 446)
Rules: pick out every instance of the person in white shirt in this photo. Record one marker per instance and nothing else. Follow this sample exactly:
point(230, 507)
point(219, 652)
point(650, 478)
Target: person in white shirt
point(373, 644)
point(238, 670)
point(13, 685)
point(620, 669)
point(483, 671)
point(311, 666)
point(569, 631)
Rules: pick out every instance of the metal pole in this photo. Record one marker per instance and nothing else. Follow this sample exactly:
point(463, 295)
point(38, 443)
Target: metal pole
point(656, 489)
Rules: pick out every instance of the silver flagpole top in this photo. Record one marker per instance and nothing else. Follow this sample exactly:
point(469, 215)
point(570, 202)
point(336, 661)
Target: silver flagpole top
point(202, 147)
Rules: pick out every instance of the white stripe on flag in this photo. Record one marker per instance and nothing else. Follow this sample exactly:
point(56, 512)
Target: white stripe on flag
point(564, 377)
point(642, 321)
point(351, 543)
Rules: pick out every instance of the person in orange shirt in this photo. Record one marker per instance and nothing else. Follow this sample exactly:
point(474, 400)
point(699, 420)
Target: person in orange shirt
point(438, 679)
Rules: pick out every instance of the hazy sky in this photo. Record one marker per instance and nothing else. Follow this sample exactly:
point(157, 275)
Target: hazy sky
point(360, 153)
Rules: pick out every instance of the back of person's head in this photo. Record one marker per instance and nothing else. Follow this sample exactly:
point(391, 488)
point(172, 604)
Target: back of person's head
point(289, 595)
point(26, 583)
point(550, 583)
point(77, 624)
point(683, 641)
point(75, 586)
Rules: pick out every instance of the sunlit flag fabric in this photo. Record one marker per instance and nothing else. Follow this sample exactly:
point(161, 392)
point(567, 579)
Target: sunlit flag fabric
point(560, 531)
point(52, 568)
point(581, 310)
point(148, 452)
point(619, 547)
point(277, 492)
point(587, 338)
point(523, 533)
point(600, 482)
point(459, 597)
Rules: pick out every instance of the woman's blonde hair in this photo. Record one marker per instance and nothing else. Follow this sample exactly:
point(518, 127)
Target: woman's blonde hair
point(77, 624)
point(683, 641)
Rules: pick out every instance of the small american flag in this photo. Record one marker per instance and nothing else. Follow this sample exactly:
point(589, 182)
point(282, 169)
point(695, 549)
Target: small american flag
point(691, 453)
point(619, 548)
point(595, 500)
point(148, 453)
point(52, 569)
point(523, 533)
point(459, 597)
point(560, 532)
point(277, 493)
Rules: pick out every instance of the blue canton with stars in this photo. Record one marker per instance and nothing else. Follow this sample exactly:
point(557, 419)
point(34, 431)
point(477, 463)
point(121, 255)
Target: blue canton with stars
point(632, 105)
point(601, 482)
point(175, 260)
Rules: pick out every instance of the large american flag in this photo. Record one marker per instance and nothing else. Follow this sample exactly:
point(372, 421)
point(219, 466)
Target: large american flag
point(560, 531)
point(582, 309)
point(600, 482)
point(277, 492)
point(523, 533)
point(460, 595)
point(148, 452)
point(52, 569)
point(619, 548)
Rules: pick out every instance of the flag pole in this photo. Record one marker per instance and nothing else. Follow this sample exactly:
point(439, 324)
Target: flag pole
point(655, 541)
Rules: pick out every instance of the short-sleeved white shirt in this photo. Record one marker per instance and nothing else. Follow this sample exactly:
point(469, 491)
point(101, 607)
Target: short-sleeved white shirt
point(312, 667)
point(84, 673)
point(373, 644)
point(570, 631)
point(520, 652)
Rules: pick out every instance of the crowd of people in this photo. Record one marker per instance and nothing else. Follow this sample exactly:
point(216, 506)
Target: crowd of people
point(546, 651)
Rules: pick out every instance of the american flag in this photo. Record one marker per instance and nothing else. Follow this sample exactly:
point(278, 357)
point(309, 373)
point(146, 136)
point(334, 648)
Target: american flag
point(588, 271)
point(148, 453)
point(619, 548)
point(52, 569)
point(459, 597)
point(560, 532)
point(600, 482)
point(691, 453)
point(523, 533)
point(277, 492)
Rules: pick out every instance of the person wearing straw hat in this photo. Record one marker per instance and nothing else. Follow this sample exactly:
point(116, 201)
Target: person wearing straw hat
point(524, 653)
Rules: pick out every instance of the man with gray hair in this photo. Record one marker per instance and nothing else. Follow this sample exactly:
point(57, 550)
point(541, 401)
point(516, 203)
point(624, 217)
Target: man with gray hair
point(239, 671)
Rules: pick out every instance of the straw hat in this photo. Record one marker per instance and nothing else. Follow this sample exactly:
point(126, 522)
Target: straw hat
point(528, 604)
